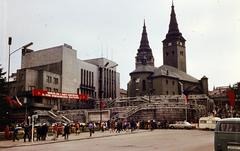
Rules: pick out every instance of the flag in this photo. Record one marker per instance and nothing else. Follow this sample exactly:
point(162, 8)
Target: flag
point(13, 101)
point(185, 99)
point(231, 97)
point(19, 103)
point(185, 95)
point(102, 104)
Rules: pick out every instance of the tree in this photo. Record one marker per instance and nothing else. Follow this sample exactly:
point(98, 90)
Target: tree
point(4, 106)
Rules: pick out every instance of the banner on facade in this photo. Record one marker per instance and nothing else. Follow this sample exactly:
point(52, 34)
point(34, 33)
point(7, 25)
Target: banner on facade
point(59, 95)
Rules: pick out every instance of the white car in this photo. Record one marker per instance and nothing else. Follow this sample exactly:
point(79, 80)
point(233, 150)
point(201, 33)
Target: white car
point(182, 125)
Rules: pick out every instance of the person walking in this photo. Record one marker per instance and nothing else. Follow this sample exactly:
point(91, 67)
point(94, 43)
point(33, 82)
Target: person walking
point(91, 128)
point(15, 133)
point(26, 133)
point(55, 132)
point(66, 131)
point(77, 126)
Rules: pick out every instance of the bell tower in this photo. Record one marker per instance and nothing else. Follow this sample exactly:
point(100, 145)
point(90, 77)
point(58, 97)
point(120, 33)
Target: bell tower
point(174, 51)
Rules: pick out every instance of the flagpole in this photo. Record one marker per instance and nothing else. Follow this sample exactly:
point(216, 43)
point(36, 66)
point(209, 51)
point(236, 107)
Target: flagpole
point(186, 112)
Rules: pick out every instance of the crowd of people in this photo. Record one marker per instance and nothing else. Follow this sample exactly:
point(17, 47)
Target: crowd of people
point(43, 130)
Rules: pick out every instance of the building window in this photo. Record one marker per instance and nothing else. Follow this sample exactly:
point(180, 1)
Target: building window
point(181, 53)
point(81, 76)
point(166, 81)
point(144, 85)
point(166, 53)
point(49, 79)
point(173, 83)
point(173, 53)
point(173, 93)
point(55, 80)
point(55, 90)
point(30, 88)
point(48, 89)
point(169, 44)
point(167, 92)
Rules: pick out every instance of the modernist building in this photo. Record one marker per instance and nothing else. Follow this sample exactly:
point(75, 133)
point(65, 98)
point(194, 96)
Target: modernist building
point(54, 78)
point(169, 79)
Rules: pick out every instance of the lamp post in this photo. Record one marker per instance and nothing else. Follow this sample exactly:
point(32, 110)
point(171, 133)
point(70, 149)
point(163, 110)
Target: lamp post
point(26, 111)
point(9, 56)
point(33, 120)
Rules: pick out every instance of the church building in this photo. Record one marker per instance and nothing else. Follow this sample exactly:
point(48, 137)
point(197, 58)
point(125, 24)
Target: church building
point(169, 79)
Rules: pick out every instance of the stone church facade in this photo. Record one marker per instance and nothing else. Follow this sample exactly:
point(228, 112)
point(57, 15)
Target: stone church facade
point(169, 79)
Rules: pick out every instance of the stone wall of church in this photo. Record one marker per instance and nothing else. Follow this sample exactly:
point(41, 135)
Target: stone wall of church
point(165, 86)
point(139, 84)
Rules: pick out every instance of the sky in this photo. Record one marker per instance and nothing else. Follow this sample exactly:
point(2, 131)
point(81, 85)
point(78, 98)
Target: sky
point(112, 29)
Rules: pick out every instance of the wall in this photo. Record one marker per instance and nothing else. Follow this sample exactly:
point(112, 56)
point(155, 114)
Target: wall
point(42, 57)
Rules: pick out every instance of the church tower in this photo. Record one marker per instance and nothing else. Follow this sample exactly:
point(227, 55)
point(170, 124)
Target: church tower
point(144, 54)
point(174, 51)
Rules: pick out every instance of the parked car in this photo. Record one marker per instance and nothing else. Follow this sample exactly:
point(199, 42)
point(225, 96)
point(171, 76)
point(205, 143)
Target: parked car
point(182, 125)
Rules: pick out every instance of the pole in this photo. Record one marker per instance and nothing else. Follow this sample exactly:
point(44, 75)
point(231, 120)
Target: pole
point(33, 117)
point(32, 127)
point(101, 93)
point(9, 54)
point(26, 111)
point(186, 112)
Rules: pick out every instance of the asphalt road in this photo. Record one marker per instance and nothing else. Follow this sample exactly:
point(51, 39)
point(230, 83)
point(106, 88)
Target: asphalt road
point(160, 140)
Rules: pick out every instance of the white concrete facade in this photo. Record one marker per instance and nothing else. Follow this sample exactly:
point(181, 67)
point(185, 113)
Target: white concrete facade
point(70, 72)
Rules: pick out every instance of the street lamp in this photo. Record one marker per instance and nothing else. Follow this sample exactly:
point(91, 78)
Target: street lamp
point(33, 120)
point(9, 56)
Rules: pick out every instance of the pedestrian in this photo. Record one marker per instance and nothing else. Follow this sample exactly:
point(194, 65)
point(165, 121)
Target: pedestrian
point(112, 126)
point(44, 131)
point(119, 126)
point(66, 131)
point(132, 125)
point(55, 132)
point(39, 131)
point(102, 126)
point(26, 133)
point(91, 128)
point(77, 126)
point(6, 132)
point(15, 133)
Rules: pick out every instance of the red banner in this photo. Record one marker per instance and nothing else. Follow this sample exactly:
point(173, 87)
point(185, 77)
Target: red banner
point(44, 93)
point(231, 97)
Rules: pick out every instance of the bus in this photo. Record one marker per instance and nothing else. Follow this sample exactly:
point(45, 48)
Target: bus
point(227, 135)
point(208, 122)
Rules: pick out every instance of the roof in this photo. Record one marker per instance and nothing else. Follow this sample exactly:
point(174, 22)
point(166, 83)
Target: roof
point(230, 120)
point(173, 72)
point(144, 68)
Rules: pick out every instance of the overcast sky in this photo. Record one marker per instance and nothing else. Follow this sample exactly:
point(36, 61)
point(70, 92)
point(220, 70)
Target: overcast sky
point(112, 29)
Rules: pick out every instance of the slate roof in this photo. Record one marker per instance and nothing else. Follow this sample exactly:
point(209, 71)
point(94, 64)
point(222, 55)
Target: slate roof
point(169, 71)
point(144, 68)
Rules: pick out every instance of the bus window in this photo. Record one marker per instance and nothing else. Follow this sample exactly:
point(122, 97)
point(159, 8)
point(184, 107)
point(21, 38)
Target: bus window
point(230, 127)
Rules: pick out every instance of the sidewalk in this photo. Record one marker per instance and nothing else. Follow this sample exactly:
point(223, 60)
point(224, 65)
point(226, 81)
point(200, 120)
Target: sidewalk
point(72, 137)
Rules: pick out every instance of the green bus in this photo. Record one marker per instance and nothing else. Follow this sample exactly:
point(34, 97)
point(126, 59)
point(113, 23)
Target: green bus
point(227, 135)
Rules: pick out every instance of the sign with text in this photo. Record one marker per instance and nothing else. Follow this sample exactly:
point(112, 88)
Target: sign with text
point(59, 95)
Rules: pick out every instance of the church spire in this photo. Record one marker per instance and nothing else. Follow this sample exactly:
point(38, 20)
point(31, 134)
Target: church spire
point(173, 25)
point(144, 54)
point(144, 40)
